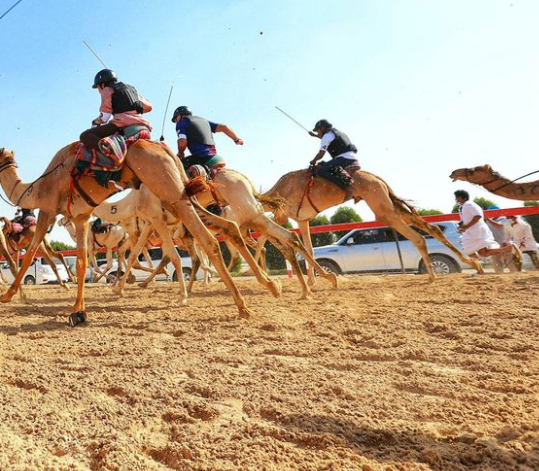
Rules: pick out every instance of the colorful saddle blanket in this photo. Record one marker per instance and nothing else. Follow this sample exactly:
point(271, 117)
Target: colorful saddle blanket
point(337, 175)
point(107, 164)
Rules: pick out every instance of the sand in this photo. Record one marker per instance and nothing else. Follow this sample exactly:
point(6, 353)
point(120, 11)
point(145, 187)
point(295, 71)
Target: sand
point(386, 373)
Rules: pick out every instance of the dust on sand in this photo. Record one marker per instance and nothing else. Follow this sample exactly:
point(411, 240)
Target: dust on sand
point(387, 373)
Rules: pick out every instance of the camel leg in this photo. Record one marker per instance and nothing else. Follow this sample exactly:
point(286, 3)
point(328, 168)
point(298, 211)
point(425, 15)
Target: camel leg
point(170, 250)
point(81, 226)
point(47, 256)
point(290, 255)
point(291, 239)
point(185, 211)
point(437, 233)
point(155, 272)
point(234, 255)
point(14, 267)
point(260, 254)
point(43, 222)
point(59, 256)
point(143, 238)
point(103, 272)
point(414, 237)
point(230, 231)
point(308, 243)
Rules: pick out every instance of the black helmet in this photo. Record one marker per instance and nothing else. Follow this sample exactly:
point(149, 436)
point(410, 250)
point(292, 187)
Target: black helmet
point(181, 110)
point(323, 123)
point(105, 76)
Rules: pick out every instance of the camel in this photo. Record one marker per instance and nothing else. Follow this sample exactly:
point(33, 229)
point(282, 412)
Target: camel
point(492, 181)
point(150, 211)
point(306, 198)
point(55, 192)
point(45, 249)
point(116, 238)
point(4, 252)
point(126, 214)
point(244, 205)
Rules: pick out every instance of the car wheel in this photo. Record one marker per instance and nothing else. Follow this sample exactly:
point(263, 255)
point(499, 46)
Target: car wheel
point(29, 280)
point(441, 265)
point(186, 275)
point(330, 266)
point(114, 276)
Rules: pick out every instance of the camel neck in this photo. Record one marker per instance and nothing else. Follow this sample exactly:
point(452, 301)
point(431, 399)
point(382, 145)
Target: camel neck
point(504, 187)
point(19, 193)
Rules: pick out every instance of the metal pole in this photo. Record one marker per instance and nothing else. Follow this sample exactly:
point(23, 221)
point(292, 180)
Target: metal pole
point(396, 237)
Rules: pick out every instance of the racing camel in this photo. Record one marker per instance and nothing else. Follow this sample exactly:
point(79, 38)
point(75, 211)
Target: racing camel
point(56, 193)
point(114, 238)
point(308, 195)
point(148, 208)
point(14, 248)
point(245, 206)
point(492, 181)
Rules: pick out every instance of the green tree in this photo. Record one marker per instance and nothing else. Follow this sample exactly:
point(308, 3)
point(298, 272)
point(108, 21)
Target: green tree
point(342, 215)
point(533, 220)
point(325, 238)
point(429, 212)
point(59, 246)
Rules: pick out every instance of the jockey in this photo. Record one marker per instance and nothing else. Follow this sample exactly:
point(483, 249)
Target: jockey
point(337, 143)
point(119, 101)
point(23, 219)
point(196, 134)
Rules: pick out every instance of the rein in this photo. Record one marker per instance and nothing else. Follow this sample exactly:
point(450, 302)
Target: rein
point(307, 193)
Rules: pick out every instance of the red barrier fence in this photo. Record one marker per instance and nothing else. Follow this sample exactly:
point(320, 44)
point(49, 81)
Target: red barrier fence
point(348, 226)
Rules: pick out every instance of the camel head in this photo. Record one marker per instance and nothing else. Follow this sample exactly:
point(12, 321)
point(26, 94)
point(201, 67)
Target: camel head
point(478, 175)
point(6, 157)
point(69, 226)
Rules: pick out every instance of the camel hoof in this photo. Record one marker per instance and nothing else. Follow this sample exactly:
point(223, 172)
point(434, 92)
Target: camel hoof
point(244, 313)
point(305, 296)
point(143, 285)
point(6, 297)
point(276, 288)
point(66, 287)
point(333, 280)
point(118, 291)
point(77, 318)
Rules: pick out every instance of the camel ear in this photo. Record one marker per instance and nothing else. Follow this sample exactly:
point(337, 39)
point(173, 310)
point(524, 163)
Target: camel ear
point(487, 168)
point(2, 150)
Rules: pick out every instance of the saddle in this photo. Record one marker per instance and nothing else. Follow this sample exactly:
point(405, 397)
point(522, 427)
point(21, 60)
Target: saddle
point(106, 164)
point(201, 179)
point(338, 175)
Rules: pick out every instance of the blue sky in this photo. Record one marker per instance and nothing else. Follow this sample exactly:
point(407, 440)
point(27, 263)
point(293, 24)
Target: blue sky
point(421, 86)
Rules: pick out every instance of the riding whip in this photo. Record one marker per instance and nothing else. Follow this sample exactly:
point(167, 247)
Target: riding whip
point(162, 138)
point(92, 51)
point(287, 115)
point(10, 9)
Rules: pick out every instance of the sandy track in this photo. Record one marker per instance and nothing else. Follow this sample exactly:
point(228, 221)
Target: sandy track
point(388, 373)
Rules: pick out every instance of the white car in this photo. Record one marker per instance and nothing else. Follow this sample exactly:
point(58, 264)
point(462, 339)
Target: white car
point(38, 273)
